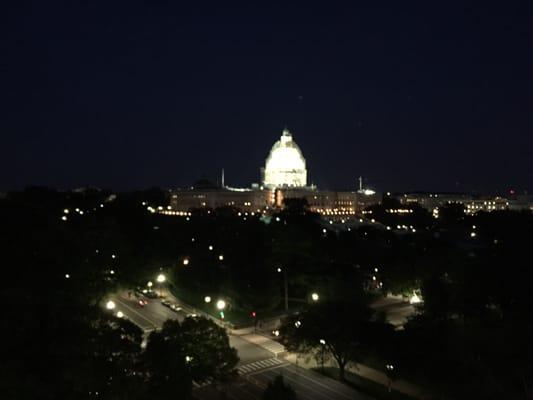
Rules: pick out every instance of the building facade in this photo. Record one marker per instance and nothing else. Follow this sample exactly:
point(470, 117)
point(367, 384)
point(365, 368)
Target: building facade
point(283, 177)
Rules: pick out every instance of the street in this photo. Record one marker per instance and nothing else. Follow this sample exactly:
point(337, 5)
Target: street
point(257, 365)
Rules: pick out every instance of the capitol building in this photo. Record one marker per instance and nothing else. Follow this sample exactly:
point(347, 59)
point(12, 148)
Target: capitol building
point(284, 176)
point(285, 164)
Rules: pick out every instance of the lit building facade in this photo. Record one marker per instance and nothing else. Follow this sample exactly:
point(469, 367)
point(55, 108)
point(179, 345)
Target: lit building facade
point(285, 165)
point(283, 177)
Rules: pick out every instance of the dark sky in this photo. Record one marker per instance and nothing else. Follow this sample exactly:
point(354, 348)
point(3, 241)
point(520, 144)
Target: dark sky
point(134, 94)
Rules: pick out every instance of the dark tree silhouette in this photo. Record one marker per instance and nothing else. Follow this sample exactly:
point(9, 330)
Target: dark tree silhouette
point(279, 390)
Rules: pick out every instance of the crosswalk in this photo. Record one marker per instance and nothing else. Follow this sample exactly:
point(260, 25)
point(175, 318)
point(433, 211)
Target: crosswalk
point(247, 369)
point(198, 385)
point(259, 365)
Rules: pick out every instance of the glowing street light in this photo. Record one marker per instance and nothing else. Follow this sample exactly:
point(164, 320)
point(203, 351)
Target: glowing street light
point(150, 284)
point(210, 248)
point(110, 305)
point(207, 299)
point(221, 304)
point(161, 278)
point(315, 296)
point(120, 314)
point(185, 261)
point(67, 276)
point(279, 269)
point(322, 341)
point(221, 257)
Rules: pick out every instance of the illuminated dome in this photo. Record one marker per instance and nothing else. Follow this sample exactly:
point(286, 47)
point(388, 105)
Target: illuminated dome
point(285, 165)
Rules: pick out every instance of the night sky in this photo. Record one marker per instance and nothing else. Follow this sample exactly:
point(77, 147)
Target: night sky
point(127, 95)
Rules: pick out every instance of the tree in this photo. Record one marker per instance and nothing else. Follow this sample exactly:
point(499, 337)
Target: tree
point(207, 347)
point(279, 390)
point(342, 330)
point(165, 363)
point(115, 349)
point(196, 349)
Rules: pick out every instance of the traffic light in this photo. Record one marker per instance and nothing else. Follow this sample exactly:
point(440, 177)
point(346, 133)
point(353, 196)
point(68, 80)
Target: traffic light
point(253, 314)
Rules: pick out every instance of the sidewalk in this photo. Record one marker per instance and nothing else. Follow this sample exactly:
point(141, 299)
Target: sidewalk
point(309, 362)
point(363, 371)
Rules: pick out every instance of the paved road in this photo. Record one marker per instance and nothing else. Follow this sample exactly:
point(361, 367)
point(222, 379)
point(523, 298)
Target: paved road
point(154, 314)
point(257, 365)
point(307, 384)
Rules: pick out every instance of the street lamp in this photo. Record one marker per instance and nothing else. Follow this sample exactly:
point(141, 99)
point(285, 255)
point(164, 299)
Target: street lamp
point(390, 371)
point(110, 305)
point(185, 261)
point(160, 280)
point(207, 299)
point(285, 287)
point(221, 304)
point(150, 284)
point(221, 257)
point(323, 349)
point(120, 314)
point(315, 296)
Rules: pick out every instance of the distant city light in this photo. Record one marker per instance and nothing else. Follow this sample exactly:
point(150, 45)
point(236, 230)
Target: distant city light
point(161, 278)
point(221, 257)
point(210, 248)
point(185, 261)
point(150, 284)
point(120, 314)
point(110, 305)
point(315, 296)
point(207, 299)
point(322, 342)
point(67, 276)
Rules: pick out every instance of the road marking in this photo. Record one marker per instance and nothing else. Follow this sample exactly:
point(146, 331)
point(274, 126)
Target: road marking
point(295, 372)
point(261, 365)
point(138, 313)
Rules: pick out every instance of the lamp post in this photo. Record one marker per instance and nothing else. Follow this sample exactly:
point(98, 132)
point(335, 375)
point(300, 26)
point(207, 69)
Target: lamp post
point(285, 287)
point(110, 305)
point(221, 305)
point(160, 280)
point(323, 343)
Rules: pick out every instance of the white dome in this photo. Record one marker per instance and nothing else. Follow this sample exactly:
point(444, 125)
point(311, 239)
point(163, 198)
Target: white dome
point(285, 165)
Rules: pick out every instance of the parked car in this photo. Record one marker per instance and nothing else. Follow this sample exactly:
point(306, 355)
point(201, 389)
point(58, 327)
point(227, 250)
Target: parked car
point(175, 307)
point(166, 303)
